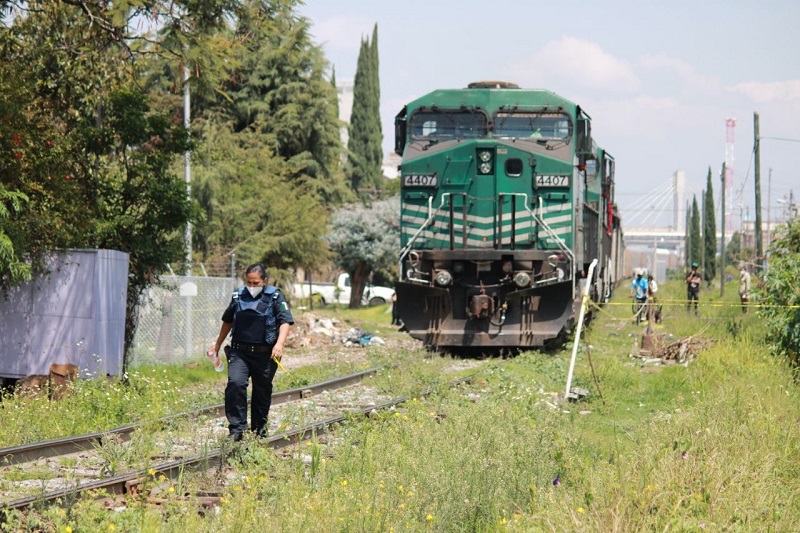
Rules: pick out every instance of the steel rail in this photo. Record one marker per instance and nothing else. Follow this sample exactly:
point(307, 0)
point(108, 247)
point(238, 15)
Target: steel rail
point(130, 483)
point(56, 447)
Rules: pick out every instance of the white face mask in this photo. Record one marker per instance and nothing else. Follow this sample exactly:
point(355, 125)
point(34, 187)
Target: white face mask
point(254, 291)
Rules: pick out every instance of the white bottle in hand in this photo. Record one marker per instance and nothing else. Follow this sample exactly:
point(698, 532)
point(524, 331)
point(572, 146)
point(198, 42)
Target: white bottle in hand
point(215, 360)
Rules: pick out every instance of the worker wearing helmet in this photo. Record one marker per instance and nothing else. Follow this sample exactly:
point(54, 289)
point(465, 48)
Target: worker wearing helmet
point(693, 281)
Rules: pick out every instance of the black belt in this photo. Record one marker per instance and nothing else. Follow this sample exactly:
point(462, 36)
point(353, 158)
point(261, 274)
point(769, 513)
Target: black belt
point(252, 348)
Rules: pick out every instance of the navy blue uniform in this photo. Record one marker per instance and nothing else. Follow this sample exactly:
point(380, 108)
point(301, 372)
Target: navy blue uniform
point(255, 331)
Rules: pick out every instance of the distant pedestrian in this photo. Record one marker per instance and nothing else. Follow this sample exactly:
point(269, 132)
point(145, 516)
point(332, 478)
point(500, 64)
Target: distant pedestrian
point(744, 288)
point(639, 293)
point(396, 321)
point(652, 289)
point(693, 281)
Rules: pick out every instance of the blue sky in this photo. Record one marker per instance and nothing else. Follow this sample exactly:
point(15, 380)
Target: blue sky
point(659, 79)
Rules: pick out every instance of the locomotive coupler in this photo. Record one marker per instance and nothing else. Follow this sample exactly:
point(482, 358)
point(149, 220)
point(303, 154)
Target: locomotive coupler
point(481, 306)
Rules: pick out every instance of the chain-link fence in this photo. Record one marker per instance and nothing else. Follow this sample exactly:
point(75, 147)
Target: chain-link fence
point(181, 319)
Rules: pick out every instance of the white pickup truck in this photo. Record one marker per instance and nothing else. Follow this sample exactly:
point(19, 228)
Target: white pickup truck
point(339, 291)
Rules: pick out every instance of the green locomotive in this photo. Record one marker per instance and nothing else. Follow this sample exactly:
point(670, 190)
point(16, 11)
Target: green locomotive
point(505, 201)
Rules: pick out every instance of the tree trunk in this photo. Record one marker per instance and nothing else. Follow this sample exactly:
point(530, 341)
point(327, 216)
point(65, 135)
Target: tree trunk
point(358, 280)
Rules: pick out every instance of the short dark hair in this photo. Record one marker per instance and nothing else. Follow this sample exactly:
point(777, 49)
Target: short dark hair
point(258, 268)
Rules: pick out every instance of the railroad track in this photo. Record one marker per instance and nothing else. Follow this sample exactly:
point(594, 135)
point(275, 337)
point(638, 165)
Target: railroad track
point(134, 481)
point(48, 470)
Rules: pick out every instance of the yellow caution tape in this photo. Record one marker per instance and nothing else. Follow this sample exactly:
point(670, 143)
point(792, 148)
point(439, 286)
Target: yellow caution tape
point(280, 365)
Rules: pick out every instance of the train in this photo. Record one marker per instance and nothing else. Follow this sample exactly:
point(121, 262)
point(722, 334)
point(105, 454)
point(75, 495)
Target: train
point(505, 200)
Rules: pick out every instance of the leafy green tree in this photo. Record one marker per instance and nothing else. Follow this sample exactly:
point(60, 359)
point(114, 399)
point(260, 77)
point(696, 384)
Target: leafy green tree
point(364, 239)
point(696, 243)
point(780, 293)
point(253, 208)
point(89, 151)
point(279, 90)
point(365, 151)
point(709, 233)
point(11, 267)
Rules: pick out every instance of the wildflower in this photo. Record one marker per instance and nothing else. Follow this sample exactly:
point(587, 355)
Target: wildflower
point(581, 510)
point(503, 521)
point(68, 529)
point(429, 518)
point(382, 486)
point(172, 489)
point(557, 481)
point(344, 483)
point(402, 506)
point(684, 455)
point(410, 494)
point(152, 472)
point(111, 527)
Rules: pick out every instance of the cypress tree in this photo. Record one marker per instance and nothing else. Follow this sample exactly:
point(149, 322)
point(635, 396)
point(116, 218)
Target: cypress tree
point(709, 233)
point(365, 142)
point(696, 248)
point(333, 84)
point(687, 237)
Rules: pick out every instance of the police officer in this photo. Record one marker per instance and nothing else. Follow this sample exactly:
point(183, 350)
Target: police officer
point(260, 318)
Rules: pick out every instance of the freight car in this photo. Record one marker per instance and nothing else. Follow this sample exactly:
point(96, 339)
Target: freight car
point(505, 201)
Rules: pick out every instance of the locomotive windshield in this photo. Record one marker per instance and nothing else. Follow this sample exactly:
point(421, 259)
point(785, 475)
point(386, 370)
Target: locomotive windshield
point(519, 125)
point(440, 125)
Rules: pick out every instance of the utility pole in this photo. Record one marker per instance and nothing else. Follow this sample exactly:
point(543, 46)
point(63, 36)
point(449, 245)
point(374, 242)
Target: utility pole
point(769, 220)
point(759, 244)
point(187, 171)
point(722, 248)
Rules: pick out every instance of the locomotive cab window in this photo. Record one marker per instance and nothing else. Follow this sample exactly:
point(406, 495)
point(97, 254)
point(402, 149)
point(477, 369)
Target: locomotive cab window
point(514, 167)
point(522, 125)
point(441, 125)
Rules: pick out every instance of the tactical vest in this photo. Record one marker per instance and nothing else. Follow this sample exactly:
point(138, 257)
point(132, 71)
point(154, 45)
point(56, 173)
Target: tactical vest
point(263, 306)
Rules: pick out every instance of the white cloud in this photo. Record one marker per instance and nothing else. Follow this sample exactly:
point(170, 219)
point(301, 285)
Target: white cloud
point(576, 61)
point(766, 92)
point(691, 81)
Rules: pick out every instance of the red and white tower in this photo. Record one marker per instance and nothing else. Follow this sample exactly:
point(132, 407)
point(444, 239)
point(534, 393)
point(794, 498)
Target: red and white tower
point(730, 124)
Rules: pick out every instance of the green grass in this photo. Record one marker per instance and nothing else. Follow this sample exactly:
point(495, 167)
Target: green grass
point(712, 445)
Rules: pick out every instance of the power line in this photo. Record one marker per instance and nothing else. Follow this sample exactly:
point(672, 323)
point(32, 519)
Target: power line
point(781, 139)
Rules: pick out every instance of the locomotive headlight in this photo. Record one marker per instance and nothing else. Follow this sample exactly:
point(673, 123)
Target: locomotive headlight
point(522, 279)
point(485, 161)
point(444, 278)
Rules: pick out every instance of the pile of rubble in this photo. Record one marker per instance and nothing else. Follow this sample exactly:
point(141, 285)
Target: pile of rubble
point(661, 349)
point(312, 330)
